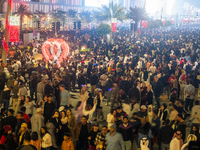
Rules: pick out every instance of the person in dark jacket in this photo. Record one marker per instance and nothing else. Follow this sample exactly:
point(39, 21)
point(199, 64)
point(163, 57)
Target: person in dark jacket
point(49, 106)
point(11, 119)
point(136, 123)
point(92, 136)
point(149, 95)
point(165, 135)
point(2, 117)
point(6, 97)
point(134, 93)
point(20, 120)
point(48, 89)
point(93, 82)
point(129, 85)
point(181, 126)
point(109, 85)
point(126, 130)
point(195, 130)
point(155, 123)
point(81, 133)
point(158, 89)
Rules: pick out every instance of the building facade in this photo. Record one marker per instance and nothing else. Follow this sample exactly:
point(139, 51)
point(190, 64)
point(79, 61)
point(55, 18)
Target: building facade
point(47, 6)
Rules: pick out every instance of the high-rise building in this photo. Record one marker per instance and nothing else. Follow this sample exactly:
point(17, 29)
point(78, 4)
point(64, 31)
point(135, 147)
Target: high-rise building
point(47, 6)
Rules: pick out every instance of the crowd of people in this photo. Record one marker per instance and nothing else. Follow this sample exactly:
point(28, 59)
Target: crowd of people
point(149, 82)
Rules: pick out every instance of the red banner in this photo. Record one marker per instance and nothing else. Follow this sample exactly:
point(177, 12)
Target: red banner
point(144, 24)
point(114, 27)
point(163, 23)
point(14, 34)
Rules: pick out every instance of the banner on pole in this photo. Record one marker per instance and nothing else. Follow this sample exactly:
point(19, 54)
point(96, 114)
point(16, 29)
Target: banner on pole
point(114, 24)
point(14, 28)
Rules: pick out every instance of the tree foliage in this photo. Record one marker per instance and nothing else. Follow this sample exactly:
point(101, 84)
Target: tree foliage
point(136, 14)
point(103, 29)
point(58, 15)
point(71, 13)
point(22, 10)
point(154, 24)
point(104, 14)
point(86, 16)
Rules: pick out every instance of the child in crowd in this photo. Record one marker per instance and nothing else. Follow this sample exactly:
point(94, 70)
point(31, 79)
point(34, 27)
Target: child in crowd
point(67, 143)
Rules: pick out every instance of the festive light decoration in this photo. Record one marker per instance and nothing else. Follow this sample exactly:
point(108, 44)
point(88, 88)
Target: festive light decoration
point(55, 50)
point(5, 39)
point(14, 34)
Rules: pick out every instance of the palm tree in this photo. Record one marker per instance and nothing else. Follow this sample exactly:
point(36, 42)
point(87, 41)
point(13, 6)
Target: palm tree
point(136, 14)
point(111, 11)
point(71, 13)
point(86, 16)
point(1, 5)
point(22, 11)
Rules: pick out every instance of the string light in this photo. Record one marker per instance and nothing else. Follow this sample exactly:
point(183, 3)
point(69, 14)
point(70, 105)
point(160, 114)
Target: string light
point(55, 50)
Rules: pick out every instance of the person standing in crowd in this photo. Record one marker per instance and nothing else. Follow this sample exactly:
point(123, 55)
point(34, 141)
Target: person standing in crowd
point(92, 136)
point(37, 121)
point(114, 140)
point(102, 80)
point(93, 82)
point(173, 112)
point(158, 90)
point(45, 139)
point(81, 132)
point(29, 104)
point(100, 140)
point(20, 120)
point(33, 86)
point(11, 119)
point(155, 124)
point(134, 93)
point(195, 113)
point(177, 142)
point(49, 106)
point(109, 85)
point(40, 90)
point(111, 118)
point(22, 133)
point(126, 130)
point(115, 94)
point(15, 90)
point(26, 143)
point(165, 135)
point(64, 96)
point(67, 142)
point(190, 93)
point(35, 141)
point(48, 89)
point(181, 126)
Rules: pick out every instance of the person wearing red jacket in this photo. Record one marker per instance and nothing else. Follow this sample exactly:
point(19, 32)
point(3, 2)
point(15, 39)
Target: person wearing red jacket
point(26, 117)
point(8, 130)
point(170, 80)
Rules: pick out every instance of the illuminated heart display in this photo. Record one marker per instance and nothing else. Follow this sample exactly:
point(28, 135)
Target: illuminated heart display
point(55, 50)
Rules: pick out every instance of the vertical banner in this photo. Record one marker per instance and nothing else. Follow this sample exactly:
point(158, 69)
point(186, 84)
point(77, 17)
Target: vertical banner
point(163, 21)
point(114, 24)
point(14, 28)
point(114, 27)
point(144, 24)
point(34, 33)
point(172, 20)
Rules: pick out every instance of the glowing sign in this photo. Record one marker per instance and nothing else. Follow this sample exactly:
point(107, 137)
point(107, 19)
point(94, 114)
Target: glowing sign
point(55, 50)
